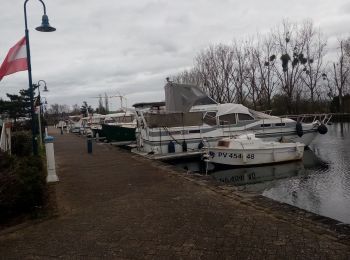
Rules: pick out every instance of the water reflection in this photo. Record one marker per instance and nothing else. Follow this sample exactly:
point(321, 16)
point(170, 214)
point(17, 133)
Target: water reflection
point(260, 178)
point(319, 183)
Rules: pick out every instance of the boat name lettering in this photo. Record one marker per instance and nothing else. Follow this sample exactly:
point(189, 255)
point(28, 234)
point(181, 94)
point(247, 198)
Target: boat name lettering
point(234, 155)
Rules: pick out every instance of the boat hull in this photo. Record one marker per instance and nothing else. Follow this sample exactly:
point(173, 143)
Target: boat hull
point(160, 146)
point(115, 133)
point(239, 157)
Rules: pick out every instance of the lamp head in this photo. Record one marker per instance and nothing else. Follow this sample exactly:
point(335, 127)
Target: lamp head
point(45, 26)
point(45, 89)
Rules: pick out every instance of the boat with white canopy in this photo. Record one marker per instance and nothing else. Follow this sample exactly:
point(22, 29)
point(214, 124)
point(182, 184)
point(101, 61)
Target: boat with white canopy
point(190, 120)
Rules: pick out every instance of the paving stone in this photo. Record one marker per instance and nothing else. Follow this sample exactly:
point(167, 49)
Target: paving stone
point(116, 205)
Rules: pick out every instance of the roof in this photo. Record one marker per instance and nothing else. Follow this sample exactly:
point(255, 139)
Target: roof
point(231, 108)
point(149, 104)
point(181, 97)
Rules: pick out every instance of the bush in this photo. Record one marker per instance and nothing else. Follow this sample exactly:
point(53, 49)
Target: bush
point(32, 179)
point(5, 161)
point(22, 185)
point(21, 143)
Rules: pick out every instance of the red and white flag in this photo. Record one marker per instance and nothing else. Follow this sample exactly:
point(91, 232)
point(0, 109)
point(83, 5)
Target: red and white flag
point(16, 59)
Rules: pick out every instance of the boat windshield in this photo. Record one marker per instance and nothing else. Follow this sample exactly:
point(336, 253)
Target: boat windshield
point(244, 117)
point(228, 119)
point(123, 119)
point(261, 115)
point(210, 118)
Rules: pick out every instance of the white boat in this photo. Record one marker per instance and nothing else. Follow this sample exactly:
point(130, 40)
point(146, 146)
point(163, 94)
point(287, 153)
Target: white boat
point(111, 126)
point(190, 119)
point(119, 127)
point(249, 150)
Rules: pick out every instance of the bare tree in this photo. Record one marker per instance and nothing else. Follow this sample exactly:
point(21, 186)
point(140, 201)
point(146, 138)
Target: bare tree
point(253, 78)
point(190, 76)
point(240, 72)
point(290, 43)
point(287, 61)
point(315, 51)
point(265, 57)
point(57, 109)
point(106, 103)
point(341, 72)
point(75, 109)
point(214, 67)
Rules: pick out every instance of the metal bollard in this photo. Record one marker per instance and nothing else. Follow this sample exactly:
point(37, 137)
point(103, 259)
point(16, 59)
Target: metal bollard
point(89, 145)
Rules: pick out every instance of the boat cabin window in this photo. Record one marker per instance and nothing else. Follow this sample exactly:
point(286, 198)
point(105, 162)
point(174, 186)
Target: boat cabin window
point(280, 124)
point(123, 119)
point(244, 117)
point(224, 143)
point(108, 121)
point(229, 119)
point(210, 118)
point(265, 125)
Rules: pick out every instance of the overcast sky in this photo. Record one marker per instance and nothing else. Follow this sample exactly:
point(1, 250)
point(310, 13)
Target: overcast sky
point(132, 46)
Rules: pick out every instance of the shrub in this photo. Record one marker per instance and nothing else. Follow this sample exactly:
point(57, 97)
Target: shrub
point(5, 161)
point(22, 185)
point(21, 143)
point(32, 177)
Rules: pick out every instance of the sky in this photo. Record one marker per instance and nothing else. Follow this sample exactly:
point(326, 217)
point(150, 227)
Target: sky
point(129, 47)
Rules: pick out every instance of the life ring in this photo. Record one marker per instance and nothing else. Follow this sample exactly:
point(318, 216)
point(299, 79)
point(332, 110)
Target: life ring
point(299, 129)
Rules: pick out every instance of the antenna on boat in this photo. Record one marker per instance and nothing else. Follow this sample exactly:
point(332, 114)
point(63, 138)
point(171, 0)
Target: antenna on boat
point(121, 97)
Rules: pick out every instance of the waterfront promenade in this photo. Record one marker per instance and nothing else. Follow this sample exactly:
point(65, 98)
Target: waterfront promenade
point(116, 205)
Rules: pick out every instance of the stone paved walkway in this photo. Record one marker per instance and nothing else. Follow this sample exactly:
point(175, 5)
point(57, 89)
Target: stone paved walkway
point(116, 205)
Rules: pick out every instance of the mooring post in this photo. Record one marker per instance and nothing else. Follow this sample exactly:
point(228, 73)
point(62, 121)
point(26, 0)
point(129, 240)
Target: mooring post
point(89, 145)
point(50, 159)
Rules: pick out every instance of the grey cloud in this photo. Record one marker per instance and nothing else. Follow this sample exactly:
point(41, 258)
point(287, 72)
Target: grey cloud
point(131, 46)
point(345, 9)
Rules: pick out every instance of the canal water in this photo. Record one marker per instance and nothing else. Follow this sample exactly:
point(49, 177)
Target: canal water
point(320, 183)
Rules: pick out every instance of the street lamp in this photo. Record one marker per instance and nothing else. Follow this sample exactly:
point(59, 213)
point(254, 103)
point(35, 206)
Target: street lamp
point(39, 112)
point(44, 27)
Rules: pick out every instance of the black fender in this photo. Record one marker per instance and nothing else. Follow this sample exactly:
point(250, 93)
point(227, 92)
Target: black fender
point(299, 129)
point(322, 129)
point(200, 145)
point(184, 146)
point(171, 147)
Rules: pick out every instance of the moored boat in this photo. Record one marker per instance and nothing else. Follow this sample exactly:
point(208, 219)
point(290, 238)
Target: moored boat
point(248, 150)
point(119, 127)
point(118, 133)
point(190, 119)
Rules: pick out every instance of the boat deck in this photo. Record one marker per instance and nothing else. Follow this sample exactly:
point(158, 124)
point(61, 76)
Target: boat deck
point(169, 156)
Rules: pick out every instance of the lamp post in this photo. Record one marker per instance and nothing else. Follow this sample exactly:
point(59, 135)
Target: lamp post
point(44, 27)
point(39, 113)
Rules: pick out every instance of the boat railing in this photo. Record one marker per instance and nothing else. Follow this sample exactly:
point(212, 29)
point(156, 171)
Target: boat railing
point(267, 112)
point(323, 118)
